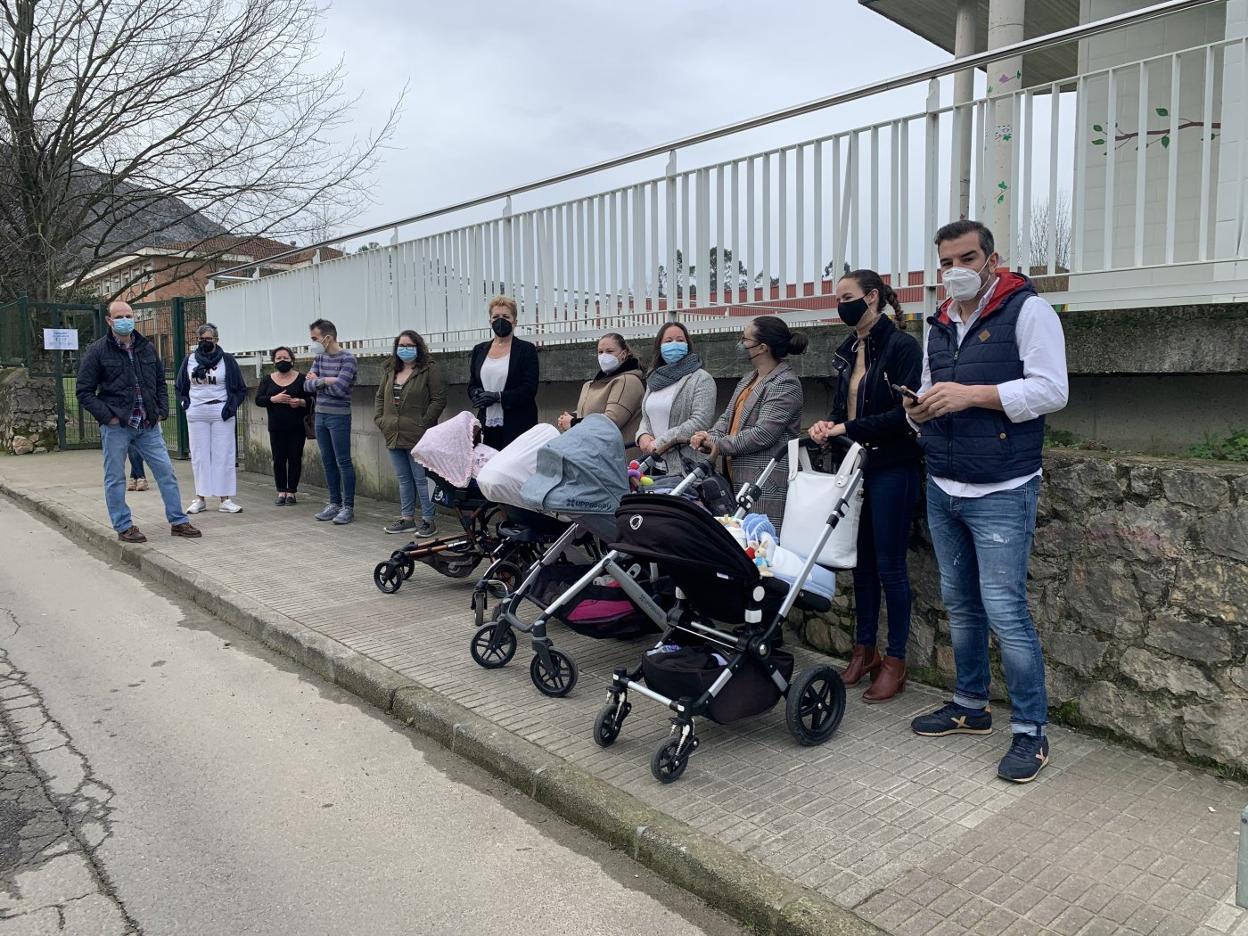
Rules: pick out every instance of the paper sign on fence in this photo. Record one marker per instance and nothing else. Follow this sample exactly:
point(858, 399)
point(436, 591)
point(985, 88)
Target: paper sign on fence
point(60, 339)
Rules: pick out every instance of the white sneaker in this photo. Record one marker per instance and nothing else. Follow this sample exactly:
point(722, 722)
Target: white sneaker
point(198, 505)
point(228, 506)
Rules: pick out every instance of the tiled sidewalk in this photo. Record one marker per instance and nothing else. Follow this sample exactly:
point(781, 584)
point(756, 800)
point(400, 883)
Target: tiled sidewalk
point(916, 835)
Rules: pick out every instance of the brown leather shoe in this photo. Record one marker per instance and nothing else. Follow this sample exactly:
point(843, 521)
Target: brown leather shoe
point(132, 535)
point(890, 680)
point(186, 530)
point(864, 662)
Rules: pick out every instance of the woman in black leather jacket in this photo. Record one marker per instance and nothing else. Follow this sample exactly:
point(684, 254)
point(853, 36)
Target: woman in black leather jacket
point(867, 410)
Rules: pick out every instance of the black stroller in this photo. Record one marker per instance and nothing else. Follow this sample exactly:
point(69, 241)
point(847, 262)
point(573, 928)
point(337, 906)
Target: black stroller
point(595, 591)
point(714, 673)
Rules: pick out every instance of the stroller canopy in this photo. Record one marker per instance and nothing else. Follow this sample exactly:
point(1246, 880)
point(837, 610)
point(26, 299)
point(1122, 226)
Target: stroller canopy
point(447, 450)
point(583, 472)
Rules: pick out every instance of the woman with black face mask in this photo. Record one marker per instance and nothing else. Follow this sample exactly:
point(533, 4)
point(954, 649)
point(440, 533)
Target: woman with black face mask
point(282, 393)
point(210, 389)
point(502, 378)
point(866, 408)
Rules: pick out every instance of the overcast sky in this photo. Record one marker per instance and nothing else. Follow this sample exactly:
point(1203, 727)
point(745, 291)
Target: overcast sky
point(502, 93)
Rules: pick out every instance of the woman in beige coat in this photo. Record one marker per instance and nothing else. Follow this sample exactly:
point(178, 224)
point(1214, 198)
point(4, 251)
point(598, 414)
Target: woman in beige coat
point(616, 392)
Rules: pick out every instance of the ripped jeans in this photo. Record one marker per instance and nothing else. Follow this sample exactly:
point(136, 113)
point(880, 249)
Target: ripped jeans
point(983, 545)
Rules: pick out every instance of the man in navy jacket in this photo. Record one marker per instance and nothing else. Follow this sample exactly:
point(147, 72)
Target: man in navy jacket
point(994, 366)
point(121, 382)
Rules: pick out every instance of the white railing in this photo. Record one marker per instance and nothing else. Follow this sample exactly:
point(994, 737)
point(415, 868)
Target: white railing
point(1114, 182)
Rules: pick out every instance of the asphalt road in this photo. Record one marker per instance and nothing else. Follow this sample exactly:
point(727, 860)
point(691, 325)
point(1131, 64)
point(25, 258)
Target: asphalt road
point(161, 773)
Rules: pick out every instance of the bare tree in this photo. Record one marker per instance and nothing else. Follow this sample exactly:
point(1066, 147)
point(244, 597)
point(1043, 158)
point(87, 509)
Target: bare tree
point(1042, 221)
point(126, 120)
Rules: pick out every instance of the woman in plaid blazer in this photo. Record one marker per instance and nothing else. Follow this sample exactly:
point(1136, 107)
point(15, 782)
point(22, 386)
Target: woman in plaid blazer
point(765, 412)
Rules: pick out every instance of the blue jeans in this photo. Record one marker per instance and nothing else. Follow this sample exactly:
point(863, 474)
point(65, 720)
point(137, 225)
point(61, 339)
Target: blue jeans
point(116, 441)
point(983, 545)
point(333, 435)
point(136, 463)
point(883, 534)
point(413, 484)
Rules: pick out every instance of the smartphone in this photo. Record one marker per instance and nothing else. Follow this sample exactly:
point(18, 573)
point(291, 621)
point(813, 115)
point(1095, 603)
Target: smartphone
point(905, 391)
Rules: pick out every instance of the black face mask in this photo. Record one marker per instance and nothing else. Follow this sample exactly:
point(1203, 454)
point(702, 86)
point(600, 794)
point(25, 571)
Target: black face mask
point(207, 347)
point(283, 366)
point(851, 312)
point(501, 327)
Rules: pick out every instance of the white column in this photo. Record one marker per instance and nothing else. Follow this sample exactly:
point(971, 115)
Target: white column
point(963, 91)
point(1005, 27)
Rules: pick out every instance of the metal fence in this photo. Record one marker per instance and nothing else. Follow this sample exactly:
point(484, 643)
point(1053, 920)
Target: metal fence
point(167, 324)
point(1120, 183)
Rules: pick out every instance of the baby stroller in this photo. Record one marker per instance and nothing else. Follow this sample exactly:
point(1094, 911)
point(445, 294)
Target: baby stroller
point(452, 454)
point(595, 591)
point(724, 675)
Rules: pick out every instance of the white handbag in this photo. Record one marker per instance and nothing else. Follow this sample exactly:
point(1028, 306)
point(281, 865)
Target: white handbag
point(811, 497)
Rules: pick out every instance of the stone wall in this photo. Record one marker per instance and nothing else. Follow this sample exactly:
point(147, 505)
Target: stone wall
point(27, 412)
point(1139, 587)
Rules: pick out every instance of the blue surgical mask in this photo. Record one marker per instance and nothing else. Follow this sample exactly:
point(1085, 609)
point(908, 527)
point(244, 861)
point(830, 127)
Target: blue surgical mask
point(407, 354)
point(673, 351)
point(123, 326)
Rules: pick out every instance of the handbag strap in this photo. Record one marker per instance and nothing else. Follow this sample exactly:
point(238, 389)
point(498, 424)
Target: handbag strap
point(799, 459)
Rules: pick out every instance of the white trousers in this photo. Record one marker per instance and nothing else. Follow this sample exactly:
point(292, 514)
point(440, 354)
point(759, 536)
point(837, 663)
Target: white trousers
point(212, 451)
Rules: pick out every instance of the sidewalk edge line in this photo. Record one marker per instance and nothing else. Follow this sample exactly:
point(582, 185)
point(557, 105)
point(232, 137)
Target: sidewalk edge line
point(718, 874)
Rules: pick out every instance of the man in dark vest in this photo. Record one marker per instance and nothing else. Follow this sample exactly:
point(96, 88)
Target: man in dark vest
point(994, 366)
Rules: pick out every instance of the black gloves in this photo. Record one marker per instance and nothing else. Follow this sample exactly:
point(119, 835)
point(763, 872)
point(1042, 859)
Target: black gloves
point(482, 398)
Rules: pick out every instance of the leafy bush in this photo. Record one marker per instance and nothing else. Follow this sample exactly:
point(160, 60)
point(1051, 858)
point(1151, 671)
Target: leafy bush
point(1231, 448)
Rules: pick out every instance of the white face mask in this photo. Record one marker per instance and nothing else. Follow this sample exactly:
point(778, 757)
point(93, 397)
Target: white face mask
point(962, 283)
point(608, 362)
point(316, 347)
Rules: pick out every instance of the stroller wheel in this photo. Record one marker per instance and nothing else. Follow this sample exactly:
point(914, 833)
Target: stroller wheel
point(490, 652)
point(668, 763)
point(816, 705)
point(388, 577)
point(609, 722)
point(409, 566)
point(559, 679)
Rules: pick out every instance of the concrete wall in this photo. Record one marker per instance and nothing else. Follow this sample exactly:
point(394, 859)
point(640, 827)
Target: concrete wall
point(1141, 380)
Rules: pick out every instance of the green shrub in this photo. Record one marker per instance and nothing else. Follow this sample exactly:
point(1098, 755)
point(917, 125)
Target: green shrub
point(1231, 448)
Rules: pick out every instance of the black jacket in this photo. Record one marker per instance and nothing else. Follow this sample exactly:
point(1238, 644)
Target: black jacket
point(893, 357)
point(519, 392)
point(106, 380)
point(235, 387)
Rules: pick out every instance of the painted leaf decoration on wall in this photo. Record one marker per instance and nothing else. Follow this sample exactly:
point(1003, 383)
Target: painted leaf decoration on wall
point(1098, 142)
point(1098, 128)
point(1165, 141)
point(1162, 112)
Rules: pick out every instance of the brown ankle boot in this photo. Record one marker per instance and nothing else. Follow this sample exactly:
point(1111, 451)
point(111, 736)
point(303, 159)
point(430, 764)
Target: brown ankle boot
point(890, 680)
point(864, 662)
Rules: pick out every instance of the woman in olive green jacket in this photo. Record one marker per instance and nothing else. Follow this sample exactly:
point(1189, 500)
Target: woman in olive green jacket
point(410, 398)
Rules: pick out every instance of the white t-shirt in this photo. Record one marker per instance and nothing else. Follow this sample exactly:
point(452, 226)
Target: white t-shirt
point(210, 387)
point(659, 409)
point(494, 378)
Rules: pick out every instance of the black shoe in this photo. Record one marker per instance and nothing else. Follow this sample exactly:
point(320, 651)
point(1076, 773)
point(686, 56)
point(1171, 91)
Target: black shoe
point(402, 525)
point(281, 500)
point(290, 500)
point(426, 529)
point(1026, 758)
point(953, 719)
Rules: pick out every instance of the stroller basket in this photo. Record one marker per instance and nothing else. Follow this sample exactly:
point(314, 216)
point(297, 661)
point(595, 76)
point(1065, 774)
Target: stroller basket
point(687, 672)
point(465, 498)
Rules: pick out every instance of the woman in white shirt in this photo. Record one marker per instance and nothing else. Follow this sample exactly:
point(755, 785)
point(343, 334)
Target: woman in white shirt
point(210, 389)
point(680, 398)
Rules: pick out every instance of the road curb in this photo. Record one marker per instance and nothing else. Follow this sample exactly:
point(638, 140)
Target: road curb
point(720, 875)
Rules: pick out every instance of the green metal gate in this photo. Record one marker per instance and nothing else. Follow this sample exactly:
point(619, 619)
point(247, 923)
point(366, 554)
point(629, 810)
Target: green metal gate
point(166, 324)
